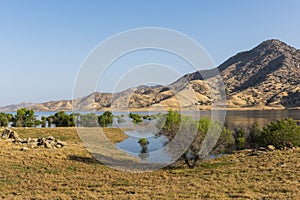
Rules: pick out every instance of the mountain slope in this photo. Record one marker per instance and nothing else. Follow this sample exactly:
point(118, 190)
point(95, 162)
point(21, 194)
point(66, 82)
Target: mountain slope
point(265, 77)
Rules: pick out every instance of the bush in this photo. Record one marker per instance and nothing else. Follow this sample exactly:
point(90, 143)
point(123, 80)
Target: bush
point(87, 120)
point(105, 119)
point(61, 119)
point(240, 140)
point(143, 141)
point(253, 137)
point(280, 133)
point(136, 118)
point(204, 128)
point(4, 119)
point(226, 142)
point(120, 119)
point(24, 118)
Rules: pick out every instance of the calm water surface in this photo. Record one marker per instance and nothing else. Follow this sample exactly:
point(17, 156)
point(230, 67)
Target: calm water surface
point(154, 154)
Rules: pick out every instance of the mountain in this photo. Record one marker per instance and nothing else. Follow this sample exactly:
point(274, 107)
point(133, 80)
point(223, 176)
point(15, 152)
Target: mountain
point(265, 77)
point(15, 107)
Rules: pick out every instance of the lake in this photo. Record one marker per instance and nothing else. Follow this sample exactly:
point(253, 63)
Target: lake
point(234, 119)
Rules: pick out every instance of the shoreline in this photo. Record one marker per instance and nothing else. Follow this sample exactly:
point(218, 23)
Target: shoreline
point(166, 109)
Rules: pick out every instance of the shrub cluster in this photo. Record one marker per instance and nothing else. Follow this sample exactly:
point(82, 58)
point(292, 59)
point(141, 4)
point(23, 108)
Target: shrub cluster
point(136, 118)
point(281, 134)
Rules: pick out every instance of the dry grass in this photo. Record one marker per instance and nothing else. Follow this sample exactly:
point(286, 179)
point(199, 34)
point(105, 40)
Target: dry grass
point(71, 173)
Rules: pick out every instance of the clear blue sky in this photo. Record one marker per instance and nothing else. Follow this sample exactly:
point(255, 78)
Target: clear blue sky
point(43, 43)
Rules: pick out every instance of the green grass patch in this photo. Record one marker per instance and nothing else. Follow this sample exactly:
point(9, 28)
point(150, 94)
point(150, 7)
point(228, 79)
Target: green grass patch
point(213, 165)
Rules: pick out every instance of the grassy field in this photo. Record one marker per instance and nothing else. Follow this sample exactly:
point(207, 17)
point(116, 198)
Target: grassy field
point(72, 173)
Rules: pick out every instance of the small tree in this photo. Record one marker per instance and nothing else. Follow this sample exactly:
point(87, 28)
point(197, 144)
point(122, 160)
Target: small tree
point(253, 137)
point(24, 118)
point(87, 120)
point(144, 151)
point(136, 118)
point(143, 141)
point(105, 119)
point(61, 119)
point(240, 140)
point(43, 121)
point(198, 130)
point(4, 119)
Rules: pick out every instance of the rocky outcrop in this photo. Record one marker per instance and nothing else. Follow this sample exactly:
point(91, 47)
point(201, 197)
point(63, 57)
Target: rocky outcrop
point(27, 143)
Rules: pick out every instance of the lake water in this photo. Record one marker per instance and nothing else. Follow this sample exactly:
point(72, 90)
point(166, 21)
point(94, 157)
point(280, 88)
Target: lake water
point(233, 119)
point(147, 130)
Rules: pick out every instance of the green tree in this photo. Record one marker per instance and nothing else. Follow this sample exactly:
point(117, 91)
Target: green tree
point(61, 119)
point(24, 118)
point(105, 119)
point(87, 120)
point(170, 124)
point(136, 118)
point(4, 119)
point(280, 133)
point(240, 140)
point(253, 137)
point(144, 151)
point(43, 121)
point(143, 141)
point(201, 130)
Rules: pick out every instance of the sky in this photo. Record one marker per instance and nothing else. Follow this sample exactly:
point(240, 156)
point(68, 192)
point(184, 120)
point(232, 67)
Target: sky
point(43, 44)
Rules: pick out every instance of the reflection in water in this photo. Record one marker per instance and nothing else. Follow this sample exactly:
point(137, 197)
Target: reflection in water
point(234, 119)
point(152, 152)
point(143, 155)
point(144, 152)
point(247, 118)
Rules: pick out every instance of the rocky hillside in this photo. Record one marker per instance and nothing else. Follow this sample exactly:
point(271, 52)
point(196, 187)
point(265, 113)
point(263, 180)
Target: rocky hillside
point(265, 77)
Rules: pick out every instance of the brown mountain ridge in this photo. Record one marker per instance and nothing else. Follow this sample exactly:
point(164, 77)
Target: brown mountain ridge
point(265, 77)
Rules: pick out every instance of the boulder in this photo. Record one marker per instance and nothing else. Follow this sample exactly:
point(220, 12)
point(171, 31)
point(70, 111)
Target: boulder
point(50, 138)
point(262, 149)
point(47, 145)
point(32, 144)
point(53, 144)
point(41, 141)
point(61, 143)
point(14, 135)
point(34, 140)
point(5, 133)
point(24, 149)
point(18, 140)
point(48, 142)
point(271, 147)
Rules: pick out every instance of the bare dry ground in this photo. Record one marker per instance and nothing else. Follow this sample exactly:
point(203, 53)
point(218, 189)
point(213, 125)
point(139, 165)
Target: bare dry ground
point(72, 173)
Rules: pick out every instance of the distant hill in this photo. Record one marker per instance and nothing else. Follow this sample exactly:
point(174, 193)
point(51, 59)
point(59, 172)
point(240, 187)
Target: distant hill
point(265, 77)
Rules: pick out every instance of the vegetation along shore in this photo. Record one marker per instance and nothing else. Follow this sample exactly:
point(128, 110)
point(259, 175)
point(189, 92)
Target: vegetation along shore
point(256, 162)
